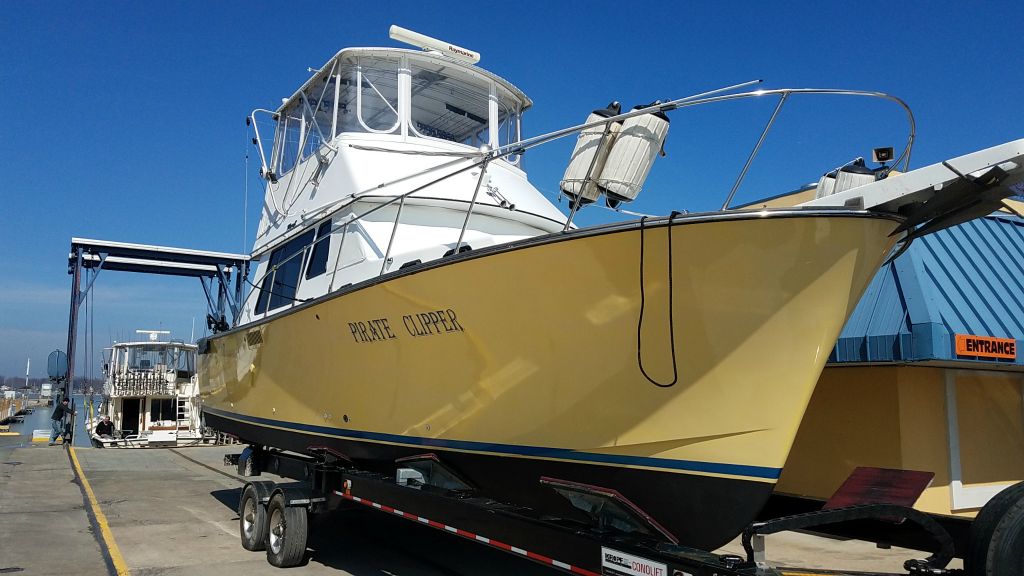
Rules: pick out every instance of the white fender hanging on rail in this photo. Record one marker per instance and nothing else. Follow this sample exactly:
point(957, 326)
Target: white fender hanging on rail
point(632, 156)
point(580, 175)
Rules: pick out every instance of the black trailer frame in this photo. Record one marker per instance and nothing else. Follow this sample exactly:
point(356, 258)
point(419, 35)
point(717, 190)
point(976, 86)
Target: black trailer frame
point(617, 540)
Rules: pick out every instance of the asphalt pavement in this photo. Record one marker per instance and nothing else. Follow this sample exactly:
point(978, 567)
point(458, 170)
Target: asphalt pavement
point(174, 511)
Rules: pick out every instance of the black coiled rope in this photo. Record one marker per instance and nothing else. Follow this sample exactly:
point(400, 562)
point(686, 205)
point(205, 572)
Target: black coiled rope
point(671, 315)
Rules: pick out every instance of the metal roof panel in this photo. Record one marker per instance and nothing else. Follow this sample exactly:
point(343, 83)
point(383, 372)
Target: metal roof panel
point(968, 279)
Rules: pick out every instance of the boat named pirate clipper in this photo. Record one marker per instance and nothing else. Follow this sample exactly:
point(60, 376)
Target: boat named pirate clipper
point(150, 396)
point(415, 294)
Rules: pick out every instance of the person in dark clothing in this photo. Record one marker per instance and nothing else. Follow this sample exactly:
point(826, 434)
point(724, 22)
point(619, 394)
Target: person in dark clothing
point(57, 420)
point(105, 428)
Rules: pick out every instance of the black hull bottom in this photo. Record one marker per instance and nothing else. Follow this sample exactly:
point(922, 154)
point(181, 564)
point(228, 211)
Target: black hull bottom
point(701, 511)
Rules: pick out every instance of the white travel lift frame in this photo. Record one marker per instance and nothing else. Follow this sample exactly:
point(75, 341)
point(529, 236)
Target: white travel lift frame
point(221, 274)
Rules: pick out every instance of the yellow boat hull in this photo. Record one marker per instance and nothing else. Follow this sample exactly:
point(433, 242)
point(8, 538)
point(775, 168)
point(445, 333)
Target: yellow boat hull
point(681, 386)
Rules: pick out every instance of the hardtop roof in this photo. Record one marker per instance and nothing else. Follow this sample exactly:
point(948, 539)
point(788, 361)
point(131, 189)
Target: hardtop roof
point(428, 55)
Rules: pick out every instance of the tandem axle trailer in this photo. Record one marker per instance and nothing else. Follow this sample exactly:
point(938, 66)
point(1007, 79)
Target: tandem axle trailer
point(611, 537)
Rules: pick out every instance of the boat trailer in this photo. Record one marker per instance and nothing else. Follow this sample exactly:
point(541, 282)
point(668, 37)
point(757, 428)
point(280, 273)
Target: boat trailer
point(611, 537)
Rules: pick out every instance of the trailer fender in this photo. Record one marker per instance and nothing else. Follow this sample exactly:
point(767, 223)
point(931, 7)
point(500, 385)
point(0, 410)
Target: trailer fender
point(248, 463)
point(295, 496)
point(264, 490)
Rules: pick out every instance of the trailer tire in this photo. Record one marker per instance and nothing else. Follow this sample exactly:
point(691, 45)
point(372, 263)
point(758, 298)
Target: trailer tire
point(1006, 552)
point(984, 526)
point(252, 520)
point(288, 529)
point(247, 466)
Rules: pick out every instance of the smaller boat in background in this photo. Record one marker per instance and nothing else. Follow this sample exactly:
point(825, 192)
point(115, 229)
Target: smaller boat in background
point(151, 395)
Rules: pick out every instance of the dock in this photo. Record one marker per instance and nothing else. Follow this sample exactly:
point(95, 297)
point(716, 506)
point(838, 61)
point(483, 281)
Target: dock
point(88, 511)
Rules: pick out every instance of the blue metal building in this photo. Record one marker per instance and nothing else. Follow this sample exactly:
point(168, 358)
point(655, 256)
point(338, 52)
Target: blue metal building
point(965, 280)
point(898, 393)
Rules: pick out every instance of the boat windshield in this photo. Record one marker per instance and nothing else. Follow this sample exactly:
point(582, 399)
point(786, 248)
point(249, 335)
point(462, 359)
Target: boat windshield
point(446, 101)
point(152, 357)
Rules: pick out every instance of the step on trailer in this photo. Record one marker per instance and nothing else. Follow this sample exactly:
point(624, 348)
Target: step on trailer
point(619, 539)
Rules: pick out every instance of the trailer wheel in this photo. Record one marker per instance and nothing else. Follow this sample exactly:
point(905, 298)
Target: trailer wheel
point(984, 526)
point(1006, 552)
point(286, 538)
point(252, 520)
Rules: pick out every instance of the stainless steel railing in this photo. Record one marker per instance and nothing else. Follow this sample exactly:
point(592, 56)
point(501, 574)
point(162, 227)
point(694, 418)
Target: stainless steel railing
point(142, 384)
point(482, 158)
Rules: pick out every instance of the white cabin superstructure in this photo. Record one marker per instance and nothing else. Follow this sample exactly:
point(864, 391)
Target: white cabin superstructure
point(377, 162)
point(151, 394)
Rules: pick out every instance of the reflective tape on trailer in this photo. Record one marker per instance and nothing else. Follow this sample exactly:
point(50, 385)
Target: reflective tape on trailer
point(470, 535)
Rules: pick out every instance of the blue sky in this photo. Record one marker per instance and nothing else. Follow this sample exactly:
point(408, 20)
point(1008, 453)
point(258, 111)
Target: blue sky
point(125, 120)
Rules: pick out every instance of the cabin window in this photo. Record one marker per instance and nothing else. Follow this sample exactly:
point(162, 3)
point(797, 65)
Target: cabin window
point(307, 123)
point(283, 271)
point(346, 120)
point(183, 361)
point(264, 297)
point(313, 140)
point(120, 360)
point(147, 357)
point(318, 259)
point(508, 124)
point(448, 103)
point(287, 139)
point(361, 94)
point(377, 96)
point(162, 409)
point(320, 99)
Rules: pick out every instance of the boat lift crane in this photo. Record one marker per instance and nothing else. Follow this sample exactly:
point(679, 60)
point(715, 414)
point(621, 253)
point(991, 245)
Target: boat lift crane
point(221, 274)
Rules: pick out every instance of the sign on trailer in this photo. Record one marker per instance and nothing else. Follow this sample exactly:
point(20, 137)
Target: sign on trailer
point(616, 563)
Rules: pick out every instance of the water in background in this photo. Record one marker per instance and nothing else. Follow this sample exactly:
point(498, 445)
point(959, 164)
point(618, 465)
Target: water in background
point(82, 413)
point(39, 419)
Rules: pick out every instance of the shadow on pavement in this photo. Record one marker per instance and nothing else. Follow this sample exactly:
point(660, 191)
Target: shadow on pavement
point(365, 542)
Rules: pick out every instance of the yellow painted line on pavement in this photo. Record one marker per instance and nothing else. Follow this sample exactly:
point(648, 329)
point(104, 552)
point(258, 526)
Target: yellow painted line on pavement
point(101, 519)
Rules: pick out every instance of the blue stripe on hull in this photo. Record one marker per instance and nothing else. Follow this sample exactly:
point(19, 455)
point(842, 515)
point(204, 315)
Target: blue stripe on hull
point(518, 450)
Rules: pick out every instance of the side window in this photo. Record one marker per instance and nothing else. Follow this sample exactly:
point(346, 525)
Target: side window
point(318, 260)
point(282, 279)
point(508, 126)
point(448, 103)
point(261, 300)
point(286, 144)
point(161, 409)
point(321, 102)
point(377, 96)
